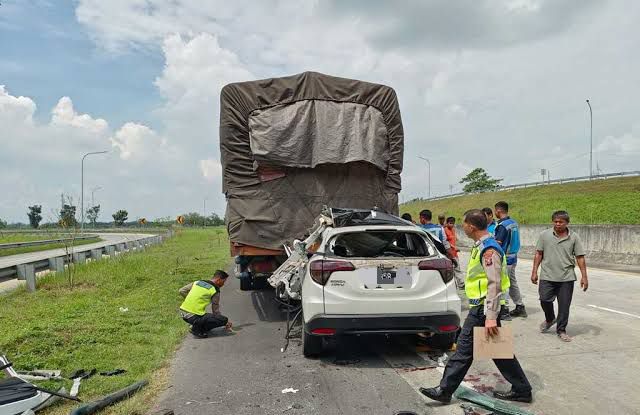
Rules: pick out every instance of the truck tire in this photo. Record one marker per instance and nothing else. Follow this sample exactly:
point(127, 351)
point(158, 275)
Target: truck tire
point(442, 341)
point(311, 345)
point(246, 284)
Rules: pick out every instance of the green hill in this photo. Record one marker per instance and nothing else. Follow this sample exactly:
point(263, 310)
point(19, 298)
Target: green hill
point(589, 202)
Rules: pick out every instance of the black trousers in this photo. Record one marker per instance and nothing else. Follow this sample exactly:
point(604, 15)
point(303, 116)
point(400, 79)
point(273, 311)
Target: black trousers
point(459, 364)
point(204, 323)
point(563, 291)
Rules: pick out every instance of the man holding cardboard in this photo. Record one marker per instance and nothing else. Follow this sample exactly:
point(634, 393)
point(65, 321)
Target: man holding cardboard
point(486, 280)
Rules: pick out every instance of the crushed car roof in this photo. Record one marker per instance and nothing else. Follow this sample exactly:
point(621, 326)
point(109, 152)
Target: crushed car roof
point(358, 217)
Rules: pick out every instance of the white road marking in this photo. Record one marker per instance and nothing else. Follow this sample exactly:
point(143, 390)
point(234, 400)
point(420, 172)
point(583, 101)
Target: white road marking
point(614, 311)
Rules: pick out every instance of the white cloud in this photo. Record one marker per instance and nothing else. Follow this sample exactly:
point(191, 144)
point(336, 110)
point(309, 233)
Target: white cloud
point(15, 109)
point(456, 110)
point(64, 114)
point(626, 143)
point(135, 141)
point(211, 169)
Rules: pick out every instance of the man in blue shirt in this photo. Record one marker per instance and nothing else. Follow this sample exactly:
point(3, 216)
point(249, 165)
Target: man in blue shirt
point(491, 227)
point(436, 231)
point(507, 234)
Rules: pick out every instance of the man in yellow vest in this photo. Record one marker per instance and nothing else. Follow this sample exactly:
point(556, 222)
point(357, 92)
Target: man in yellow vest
point(197, 296)
point(486, 280)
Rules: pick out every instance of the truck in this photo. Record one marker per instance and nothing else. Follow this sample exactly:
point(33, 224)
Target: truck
point(289, 147)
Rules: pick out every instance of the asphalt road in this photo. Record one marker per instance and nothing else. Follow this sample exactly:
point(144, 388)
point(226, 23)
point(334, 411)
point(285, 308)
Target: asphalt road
point(245, 372)
point(8, 284)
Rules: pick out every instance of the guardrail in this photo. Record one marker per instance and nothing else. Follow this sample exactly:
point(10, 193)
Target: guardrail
point(44, 242)
point(540, 183)
point(26, 270)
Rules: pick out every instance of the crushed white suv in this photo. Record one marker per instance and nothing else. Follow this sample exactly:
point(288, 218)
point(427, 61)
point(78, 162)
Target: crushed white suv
point(378, 274)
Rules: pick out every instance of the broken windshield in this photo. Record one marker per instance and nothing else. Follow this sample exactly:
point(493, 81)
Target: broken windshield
point(371, 244)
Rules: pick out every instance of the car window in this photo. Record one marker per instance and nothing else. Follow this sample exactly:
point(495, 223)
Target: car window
point(369, 244)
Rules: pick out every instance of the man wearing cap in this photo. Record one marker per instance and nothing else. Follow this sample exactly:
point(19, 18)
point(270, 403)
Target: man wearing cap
point(197, 296)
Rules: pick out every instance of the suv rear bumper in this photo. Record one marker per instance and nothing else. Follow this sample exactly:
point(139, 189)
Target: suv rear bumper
point(385, 323)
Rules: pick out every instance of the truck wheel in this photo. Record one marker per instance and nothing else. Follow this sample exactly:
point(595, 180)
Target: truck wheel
point(245, 284)
point(442, 341)
point(311, 345)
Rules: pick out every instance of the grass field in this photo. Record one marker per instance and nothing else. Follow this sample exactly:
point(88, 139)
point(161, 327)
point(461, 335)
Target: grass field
point(9, 237)
point(611, 201)
point(38, 248)
point(60, 328)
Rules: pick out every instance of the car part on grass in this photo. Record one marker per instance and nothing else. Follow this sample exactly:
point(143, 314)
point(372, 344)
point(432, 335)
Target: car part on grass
point(113, 372)
point(77, 377)
point(287, 279)
point(498, 406)
point(39, 374)
point(51, 400)
point(93, 407)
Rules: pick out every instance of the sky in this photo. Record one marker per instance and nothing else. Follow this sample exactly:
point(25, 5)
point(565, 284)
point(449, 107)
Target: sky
point(497, 84)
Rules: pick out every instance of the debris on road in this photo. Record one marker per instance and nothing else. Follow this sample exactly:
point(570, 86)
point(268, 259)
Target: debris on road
point(488, 402)
point(290, 390)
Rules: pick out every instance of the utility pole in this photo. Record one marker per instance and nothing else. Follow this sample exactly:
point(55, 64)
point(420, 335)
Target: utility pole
point(429, 174)
point(450, 189)
point(82, 186)
point(590, 141)
point(204, 212)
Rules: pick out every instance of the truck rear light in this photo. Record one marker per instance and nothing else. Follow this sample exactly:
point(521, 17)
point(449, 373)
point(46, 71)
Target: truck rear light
point(321, 270)
point(324, 332)
point(448, 328)
point(443, 266)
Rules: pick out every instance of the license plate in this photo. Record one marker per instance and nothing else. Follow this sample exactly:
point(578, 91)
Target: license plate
point(386, 275)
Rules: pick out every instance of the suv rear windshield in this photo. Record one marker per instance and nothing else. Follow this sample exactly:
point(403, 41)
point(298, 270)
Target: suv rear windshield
point(371, 244)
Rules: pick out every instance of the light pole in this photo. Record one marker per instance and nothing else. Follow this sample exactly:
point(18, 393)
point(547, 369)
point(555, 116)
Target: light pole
point(82, 186)
point(204, 212)
point(93, 203)
point(429, 171)
point(590, 141)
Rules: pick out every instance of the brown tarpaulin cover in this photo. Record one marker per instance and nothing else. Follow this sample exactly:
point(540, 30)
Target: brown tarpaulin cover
point(291, 145)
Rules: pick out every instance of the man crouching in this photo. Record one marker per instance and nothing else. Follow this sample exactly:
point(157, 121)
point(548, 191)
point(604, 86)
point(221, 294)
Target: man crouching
point(197, 296)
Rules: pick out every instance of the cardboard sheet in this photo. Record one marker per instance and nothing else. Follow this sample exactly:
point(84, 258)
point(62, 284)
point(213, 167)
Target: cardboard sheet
point(496, 347)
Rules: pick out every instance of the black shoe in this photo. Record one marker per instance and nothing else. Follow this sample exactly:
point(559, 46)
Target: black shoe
point(504, 314)
point(514, 396)
point(437, 394)
point(519, 311)
point(199, 334)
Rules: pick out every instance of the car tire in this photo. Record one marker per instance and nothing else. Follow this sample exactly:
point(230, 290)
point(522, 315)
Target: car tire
point(442, 341)
point(246, 284)
point(311, 345)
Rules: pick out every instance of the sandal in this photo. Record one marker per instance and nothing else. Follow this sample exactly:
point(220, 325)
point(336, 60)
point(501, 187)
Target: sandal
point(564, 337)
point(544, 326)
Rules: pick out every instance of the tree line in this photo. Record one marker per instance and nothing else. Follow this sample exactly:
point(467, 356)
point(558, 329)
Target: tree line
point(66, 218)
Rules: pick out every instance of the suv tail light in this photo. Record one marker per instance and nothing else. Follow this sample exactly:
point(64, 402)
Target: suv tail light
point(443, 266)
point(321, 270)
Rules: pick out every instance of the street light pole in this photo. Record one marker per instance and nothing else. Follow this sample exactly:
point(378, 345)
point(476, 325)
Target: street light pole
point(204, 212)
point(429, 171)
point(82, 186)
point(590, 141)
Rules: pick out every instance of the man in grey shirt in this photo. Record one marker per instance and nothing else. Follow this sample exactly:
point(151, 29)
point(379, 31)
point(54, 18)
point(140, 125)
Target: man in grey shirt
point(558, 250)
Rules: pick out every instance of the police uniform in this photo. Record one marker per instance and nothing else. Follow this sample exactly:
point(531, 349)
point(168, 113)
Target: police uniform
point(193, 308)
point(487, 261)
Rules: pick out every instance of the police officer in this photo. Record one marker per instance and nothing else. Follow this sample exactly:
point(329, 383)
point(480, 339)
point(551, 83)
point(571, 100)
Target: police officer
point(485, 281)
point(198, 295)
